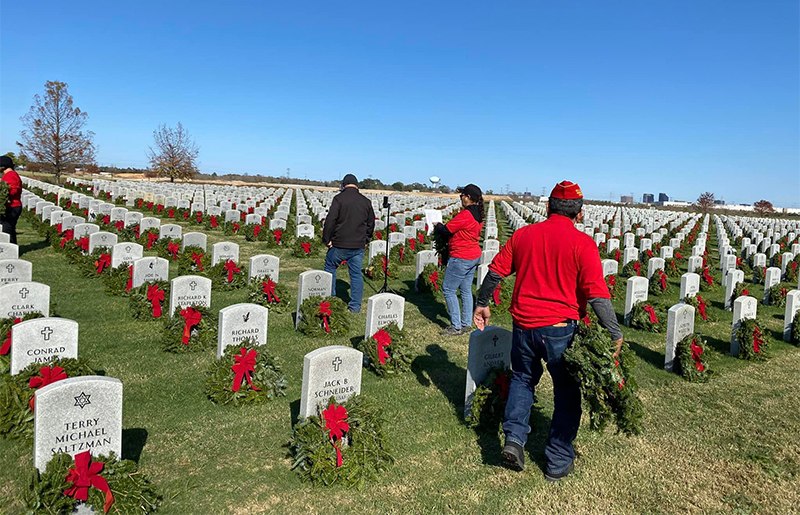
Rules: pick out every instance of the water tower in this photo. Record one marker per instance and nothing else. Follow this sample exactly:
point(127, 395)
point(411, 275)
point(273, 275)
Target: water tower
point(434, 182)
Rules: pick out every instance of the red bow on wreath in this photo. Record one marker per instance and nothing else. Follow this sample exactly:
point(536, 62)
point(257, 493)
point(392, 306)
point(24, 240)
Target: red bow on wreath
point(149, 205)
point(421, 237)
point(244, 366)
point(268, 287)
point(191, 318)
point(378, 235)
point(171, 213)
point(277, 233)
point(678, 255)
point(306, 247)
point(159, 209)
point(325, 312)
point(434, 279)
point(156, 296)
point(402, 253)
point(707, 277)
point(504, 382)
point(256, 231)
point(46, 376)
point(745, 291)
point(185, 215)
point(58, 228)
point(198, 260)
point(697, 351)
point(106, 219)
point(412, 243)
point(214, 223)
point(129, 284)
point(662, 278)
point(652, 312)
point(102, 263)
point(637, 267)
point(83, 244)
point(231, 268)
point(120, 225)
point(69, 234)
point(199, 217)
point(611, 281)
point(738, 261)
point(701, 307)
point(496, 294)
point(136, 229)
point(617, 255)
point(84, 475)
point(173, 248)
point(336, 425)
point(758, 341)
point(6, 347)
point(649, 253)
point(151, 239)
point(383, 340)
point(236, 227)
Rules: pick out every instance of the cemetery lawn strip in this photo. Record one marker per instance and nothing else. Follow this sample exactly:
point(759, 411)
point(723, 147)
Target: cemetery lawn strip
point(730, 444)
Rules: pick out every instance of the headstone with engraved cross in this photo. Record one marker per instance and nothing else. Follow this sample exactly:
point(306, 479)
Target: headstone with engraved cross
point(189, 290)
point(19, 299)
point(333, 371)
point(41, 339)
point(680, 324)
point(488, 349)
point(382, 310)
point(310, 284)
point(15, 271)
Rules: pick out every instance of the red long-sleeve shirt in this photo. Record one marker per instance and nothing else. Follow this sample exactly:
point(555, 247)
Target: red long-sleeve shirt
point(466, 231)
point(558, 269)
point(15, 188)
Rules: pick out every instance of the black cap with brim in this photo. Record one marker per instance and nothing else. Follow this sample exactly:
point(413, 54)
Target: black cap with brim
point(470, 190)
point(6, 162)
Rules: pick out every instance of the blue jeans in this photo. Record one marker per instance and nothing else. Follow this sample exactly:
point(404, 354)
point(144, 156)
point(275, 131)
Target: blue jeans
point(354, 258)
point(528, 348)
point(458, 275)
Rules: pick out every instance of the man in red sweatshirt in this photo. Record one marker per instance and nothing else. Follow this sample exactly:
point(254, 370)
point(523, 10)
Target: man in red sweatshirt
point(9, 214)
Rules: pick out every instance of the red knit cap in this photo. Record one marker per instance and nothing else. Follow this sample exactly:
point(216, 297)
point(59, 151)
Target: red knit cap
point(567, 191)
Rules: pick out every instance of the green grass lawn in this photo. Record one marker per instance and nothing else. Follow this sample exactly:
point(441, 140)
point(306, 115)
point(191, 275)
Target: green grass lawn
point(729, 446)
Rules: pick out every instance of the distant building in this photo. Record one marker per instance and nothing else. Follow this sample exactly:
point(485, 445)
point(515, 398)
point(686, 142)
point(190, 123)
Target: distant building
point(719, 202)
point(648, 198)
point(663, 197)
point(626, 199)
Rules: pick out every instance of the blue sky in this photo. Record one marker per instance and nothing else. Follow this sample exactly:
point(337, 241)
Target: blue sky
point(679, 97)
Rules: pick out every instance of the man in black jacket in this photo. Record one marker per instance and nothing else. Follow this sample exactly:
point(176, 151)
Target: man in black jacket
point(348, 229)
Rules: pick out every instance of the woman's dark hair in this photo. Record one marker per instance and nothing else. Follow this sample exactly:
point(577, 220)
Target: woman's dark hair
point(478, 199)
point(569, 208)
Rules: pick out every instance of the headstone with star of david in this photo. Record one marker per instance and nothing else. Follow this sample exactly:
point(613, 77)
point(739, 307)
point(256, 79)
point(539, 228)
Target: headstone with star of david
point(488, 349)
point(240, 322)
point(40, 339)
point(75, 415)
point(9, 251)
point(125, 253)
point(19, 299)
point(15, 271)
point(312, 283)
point(189, 290)
point(333, 371)
point(382, 310)
point(223, 251)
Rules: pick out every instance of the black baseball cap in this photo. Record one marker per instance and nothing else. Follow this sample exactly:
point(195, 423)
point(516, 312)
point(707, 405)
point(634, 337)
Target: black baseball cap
point(6, 162)
point(470, 190)
point(349, 179)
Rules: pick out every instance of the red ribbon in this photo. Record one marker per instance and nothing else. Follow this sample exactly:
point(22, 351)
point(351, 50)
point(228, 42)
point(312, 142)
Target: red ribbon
point(159, 208)
point(185, 215)
point(378, 235)
point(738, 261)
point(170, 213)
point(244, 366)
point(84, 475)
point(120, 225)
point(336, 425)
point(637, 267)
point(678, 255)
point(156, 296)
point(268, 287)
point(198, 260)
point(191, 318)
point(745, 291)
point(496, 294)
point(412, 243)
point(139, 203)
point(69, 234)
point(757, 340)
point(306, 247)
point(83, 244)
point(697, 351)
point(136, 229)
point(701, 307)
point(434, 279)
point(662, 277)
point(151, 239)
point(707, 277)
point(199, 217)
point(649, 253)
point(214, 223)
point(103, 262)
point(421, 237)
point(383, 340)
point(236, 227)
point(6, 348)
point(46, 376)
point(325, 312)
point(58, 228)
point(150, 205)
point(617, 255)
point(504, 382)
point(106, 219)
point(173, 248)
point(231, 268)
point(652, 312)
point(129, 285)
point(402, 253)
point(277, 233)
point(256, 231)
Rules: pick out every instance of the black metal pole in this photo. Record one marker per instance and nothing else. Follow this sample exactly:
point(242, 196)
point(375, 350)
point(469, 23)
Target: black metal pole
point(385, 287)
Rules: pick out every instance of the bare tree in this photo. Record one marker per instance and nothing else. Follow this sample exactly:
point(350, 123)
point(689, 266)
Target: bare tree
point(53, 134)
point(174, 154)
point(705, 201)
point(763, 207)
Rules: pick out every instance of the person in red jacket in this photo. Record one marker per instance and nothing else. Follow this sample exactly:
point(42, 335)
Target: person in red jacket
point(463, 235)
point(558, 271)
point(9, 214)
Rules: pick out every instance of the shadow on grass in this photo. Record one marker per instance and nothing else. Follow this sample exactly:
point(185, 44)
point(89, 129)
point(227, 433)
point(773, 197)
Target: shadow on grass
point(652, 357)
point(294, 410)
point(718, 345)
point(491, 442)
point(133, 441)
point(429, 307)
point(343, 290)
point(435, 367)
point(37, 245)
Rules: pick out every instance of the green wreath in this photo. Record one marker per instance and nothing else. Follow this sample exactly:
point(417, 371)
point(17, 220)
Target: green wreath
point(181, 213)
point(659, 283)
point(250, 235)
point(776, 295)
point(133, 493)
point(268, 382)
point(379, 267)
point(272, 238)
point(708, 282)
point(397, 357)
point(16, 417)
point(4, 194)
point(400, 256)
point(144, 239)
point(116, 280)
point(701, 309)
point(5, 338)
point(162, 248)
point(277, 300)
point(440, 245)
point(630, 269)
point(91, 263)
point(214, 222)
point(613, 285)
point(640, 318)
point(219, 276)
point(363, 457)
point(739, 290)
point(432, 277)
point(753, 340)
point(795, 334)
point(231, 228)
point(489, 400)
point(608, 386)
point(313, 324)
point(187, 265)
point(202, 336)
point(671, 267)
point(302, 243)
point(792, 270)
point(690, 359)
point(758, 274)
point(193, 218)
point(142, 307)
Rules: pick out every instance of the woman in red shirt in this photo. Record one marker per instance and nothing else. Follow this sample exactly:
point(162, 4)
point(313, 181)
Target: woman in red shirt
point(463, 235)
point(9, 214)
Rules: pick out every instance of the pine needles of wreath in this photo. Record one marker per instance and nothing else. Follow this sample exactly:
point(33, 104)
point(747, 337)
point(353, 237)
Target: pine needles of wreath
point(202, 337)
point(691, 360)
point(489, 400)
point(398, 351)
point(312, 322)
point(278, 299)
point(268, 380)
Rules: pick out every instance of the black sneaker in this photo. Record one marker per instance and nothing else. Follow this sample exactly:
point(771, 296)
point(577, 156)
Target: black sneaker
point(451, 331)
point(514, 456)
point(558, 477)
